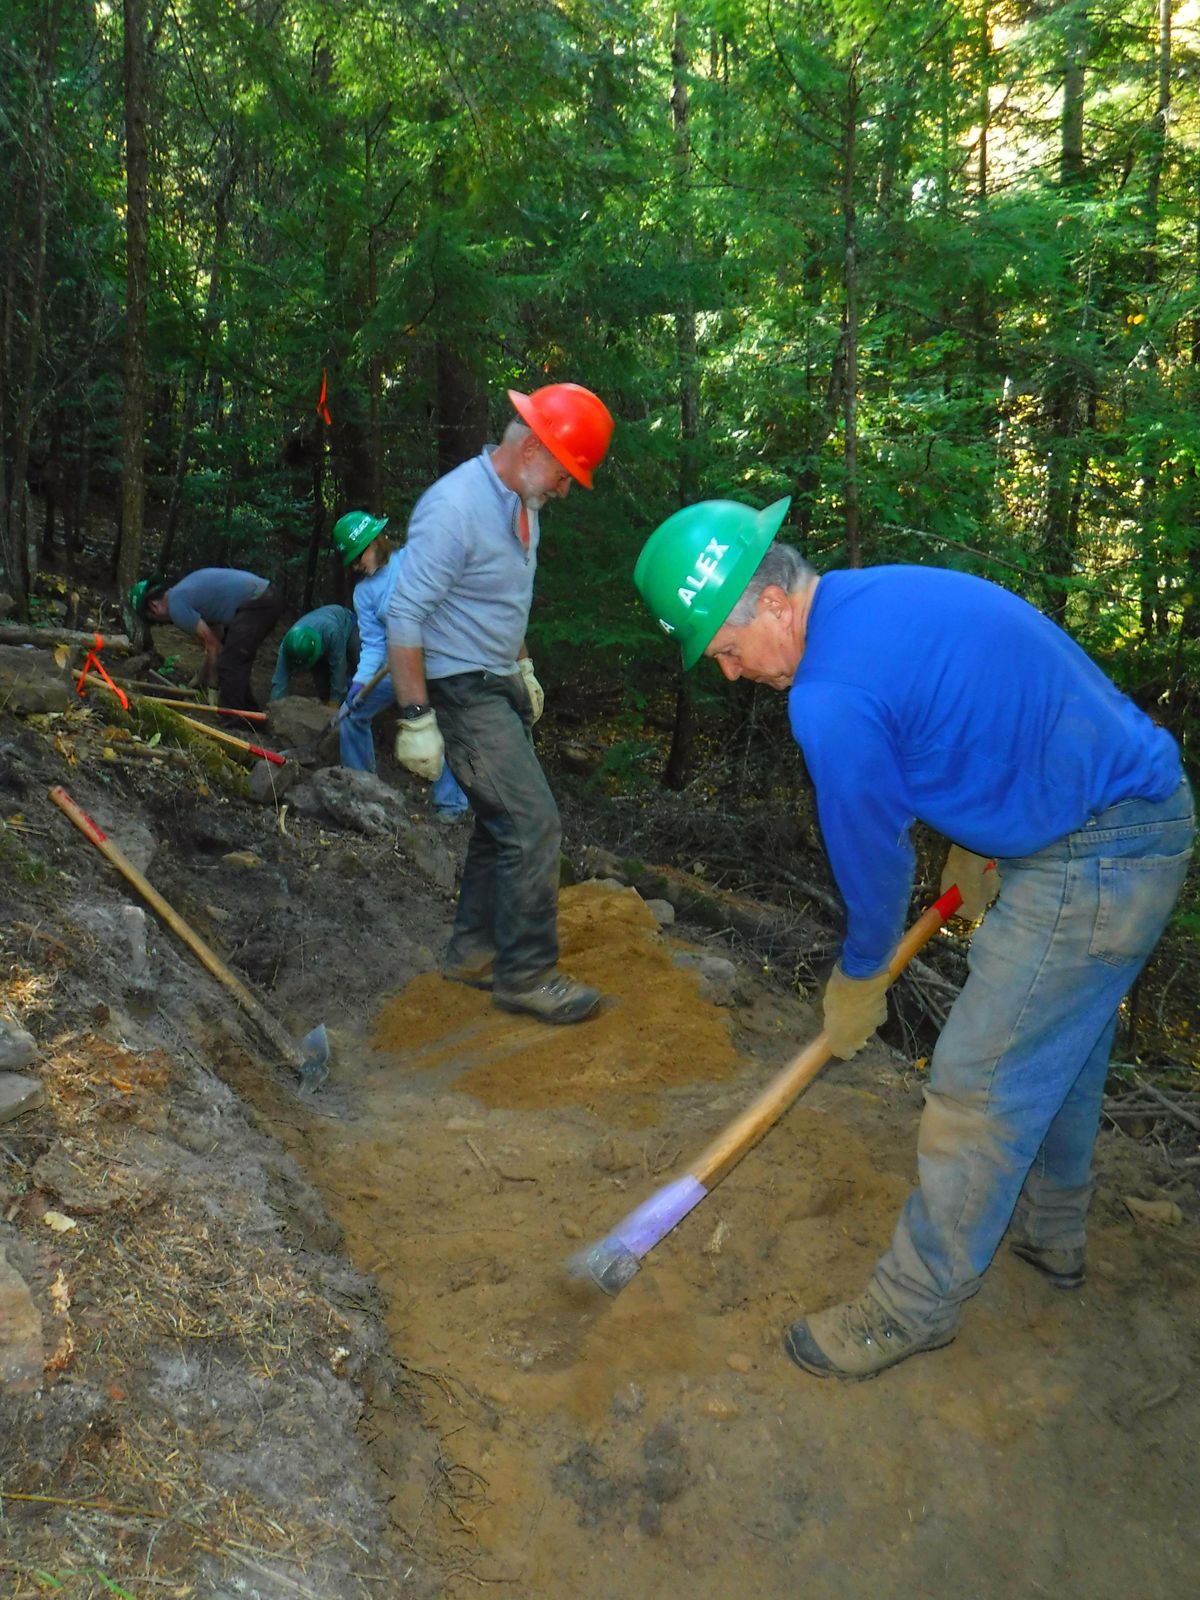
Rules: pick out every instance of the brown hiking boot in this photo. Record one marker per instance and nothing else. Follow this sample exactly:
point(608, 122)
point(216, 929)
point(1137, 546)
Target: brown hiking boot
point(1065, 1269)
point(857, 1340)
point(476, 973)
point(553, 997)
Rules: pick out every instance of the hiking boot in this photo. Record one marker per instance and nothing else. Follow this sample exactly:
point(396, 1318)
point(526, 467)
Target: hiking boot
point(553, 997)
point(476, 973)
point(856, 1340)
point(449, 818)
point(1065, 1269)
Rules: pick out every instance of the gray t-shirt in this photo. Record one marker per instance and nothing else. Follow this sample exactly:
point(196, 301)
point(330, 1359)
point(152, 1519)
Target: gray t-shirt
point(212, 595)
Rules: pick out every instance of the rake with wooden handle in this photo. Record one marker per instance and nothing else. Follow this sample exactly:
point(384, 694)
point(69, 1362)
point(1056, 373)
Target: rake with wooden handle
point(613, 1261)
point(310, 1057)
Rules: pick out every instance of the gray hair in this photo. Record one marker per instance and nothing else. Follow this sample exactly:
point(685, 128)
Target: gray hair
point(516, 430)
point(784, 567)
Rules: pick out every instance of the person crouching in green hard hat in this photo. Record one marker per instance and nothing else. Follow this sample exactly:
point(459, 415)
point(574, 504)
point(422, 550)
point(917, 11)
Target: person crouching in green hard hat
point(230, 612)
point(364, 547)
point(323, 642)
point(922, 694)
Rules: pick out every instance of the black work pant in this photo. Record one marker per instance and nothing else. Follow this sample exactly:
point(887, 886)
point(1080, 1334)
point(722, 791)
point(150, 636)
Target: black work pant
point(250, 626)
point(508, 902)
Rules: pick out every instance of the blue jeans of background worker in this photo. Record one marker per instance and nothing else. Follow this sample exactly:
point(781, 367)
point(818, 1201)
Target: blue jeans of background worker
point(1016, 1083)
point(508, 900)
point(358, 748)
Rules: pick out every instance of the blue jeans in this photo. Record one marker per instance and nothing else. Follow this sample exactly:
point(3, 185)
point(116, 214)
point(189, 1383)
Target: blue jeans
point(1017, 1080)
point(358, 747)
point(508, 900)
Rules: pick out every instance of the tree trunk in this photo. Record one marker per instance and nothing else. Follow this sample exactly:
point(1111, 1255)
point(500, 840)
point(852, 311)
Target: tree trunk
point(850, 324)
point(1152, 453)
point(137, 223)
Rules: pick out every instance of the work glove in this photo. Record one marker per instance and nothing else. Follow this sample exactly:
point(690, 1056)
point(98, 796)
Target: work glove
point(977, 879)
point(348, 704)
point(420, 747)
point(537, 695)
point(854, 1008)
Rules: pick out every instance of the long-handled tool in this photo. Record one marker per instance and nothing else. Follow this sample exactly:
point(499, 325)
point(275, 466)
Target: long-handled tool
point(232, 739)
point(210, 711)
point(310, 1057)
point(613, 1261)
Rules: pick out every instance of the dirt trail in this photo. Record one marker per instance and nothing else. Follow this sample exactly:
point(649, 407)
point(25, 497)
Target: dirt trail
point(593, 1447)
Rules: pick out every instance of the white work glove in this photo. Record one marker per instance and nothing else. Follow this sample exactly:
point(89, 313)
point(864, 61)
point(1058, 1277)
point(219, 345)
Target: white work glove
point(978, 885)
point(537, 695)
point(420, 746)
point(854, 1008)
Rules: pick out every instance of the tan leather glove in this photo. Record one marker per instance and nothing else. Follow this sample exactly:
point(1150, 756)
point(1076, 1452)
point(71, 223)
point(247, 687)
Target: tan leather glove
point(854, 1008)
point(977, 879)
point(420, 747)
point(537, 696)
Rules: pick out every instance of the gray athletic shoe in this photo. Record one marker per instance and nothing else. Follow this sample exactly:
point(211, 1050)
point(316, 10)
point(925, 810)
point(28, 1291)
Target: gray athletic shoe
point(553, 997)
point(1065, 1269)
point(857, 1340)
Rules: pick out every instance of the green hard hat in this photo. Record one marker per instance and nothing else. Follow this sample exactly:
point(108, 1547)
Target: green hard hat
point(695, 566)
point(143, 591)
point(354, 532)
point(302, 647)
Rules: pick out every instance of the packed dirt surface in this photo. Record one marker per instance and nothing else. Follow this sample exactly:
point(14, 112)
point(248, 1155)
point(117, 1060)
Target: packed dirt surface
point(344, 1354)
point(595, 1446)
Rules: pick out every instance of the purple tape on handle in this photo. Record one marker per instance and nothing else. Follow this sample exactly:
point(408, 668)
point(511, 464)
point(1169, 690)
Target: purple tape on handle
point(641, 1230)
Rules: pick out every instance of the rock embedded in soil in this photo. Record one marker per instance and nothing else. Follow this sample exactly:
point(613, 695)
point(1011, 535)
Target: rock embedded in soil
point(21, 1351)
point(19, 1094)
point(17, 1047)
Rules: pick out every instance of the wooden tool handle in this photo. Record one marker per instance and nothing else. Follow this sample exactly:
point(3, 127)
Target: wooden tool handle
point(90, 830)
point(731, 1144)
point(213, 711)
point(232, 739)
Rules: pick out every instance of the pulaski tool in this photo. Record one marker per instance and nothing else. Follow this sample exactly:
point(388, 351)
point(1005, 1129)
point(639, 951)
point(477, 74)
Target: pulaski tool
point(310, 1057)
point(613, 1261)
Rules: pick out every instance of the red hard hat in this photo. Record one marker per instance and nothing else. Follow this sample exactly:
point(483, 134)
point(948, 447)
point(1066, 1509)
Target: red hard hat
point(574, 424)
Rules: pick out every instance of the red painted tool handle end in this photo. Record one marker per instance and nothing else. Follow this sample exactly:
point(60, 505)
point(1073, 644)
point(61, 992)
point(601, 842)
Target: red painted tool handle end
point(267, 755)
point(949, 902)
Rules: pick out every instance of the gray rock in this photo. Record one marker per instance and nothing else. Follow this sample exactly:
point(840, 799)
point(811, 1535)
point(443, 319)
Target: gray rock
point(18, 1094)
point(269, 783)
point(17, 1048)
point(429, 855)
point(122, 930)
point(295, 720)
point(7, 605)
point(358, 800)
point(131, 837)
point(21, 1353)
point(718, 977)
point(32, 683)
point(662, 911)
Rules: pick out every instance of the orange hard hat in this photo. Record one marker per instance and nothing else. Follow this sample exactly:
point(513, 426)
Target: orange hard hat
point(574, 424)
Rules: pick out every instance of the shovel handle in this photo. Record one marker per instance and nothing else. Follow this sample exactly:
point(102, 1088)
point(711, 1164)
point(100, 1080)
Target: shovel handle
point(267, 1024)
point(731, 1144)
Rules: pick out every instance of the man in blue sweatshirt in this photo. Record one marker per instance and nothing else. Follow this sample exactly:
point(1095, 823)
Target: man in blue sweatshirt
point(922, 694)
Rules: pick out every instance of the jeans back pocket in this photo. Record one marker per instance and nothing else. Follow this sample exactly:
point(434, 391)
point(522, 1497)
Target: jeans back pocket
point(1137, 895)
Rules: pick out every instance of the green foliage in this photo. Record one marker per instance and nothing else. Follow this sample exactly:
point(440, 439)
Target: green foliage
point(432, 203)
